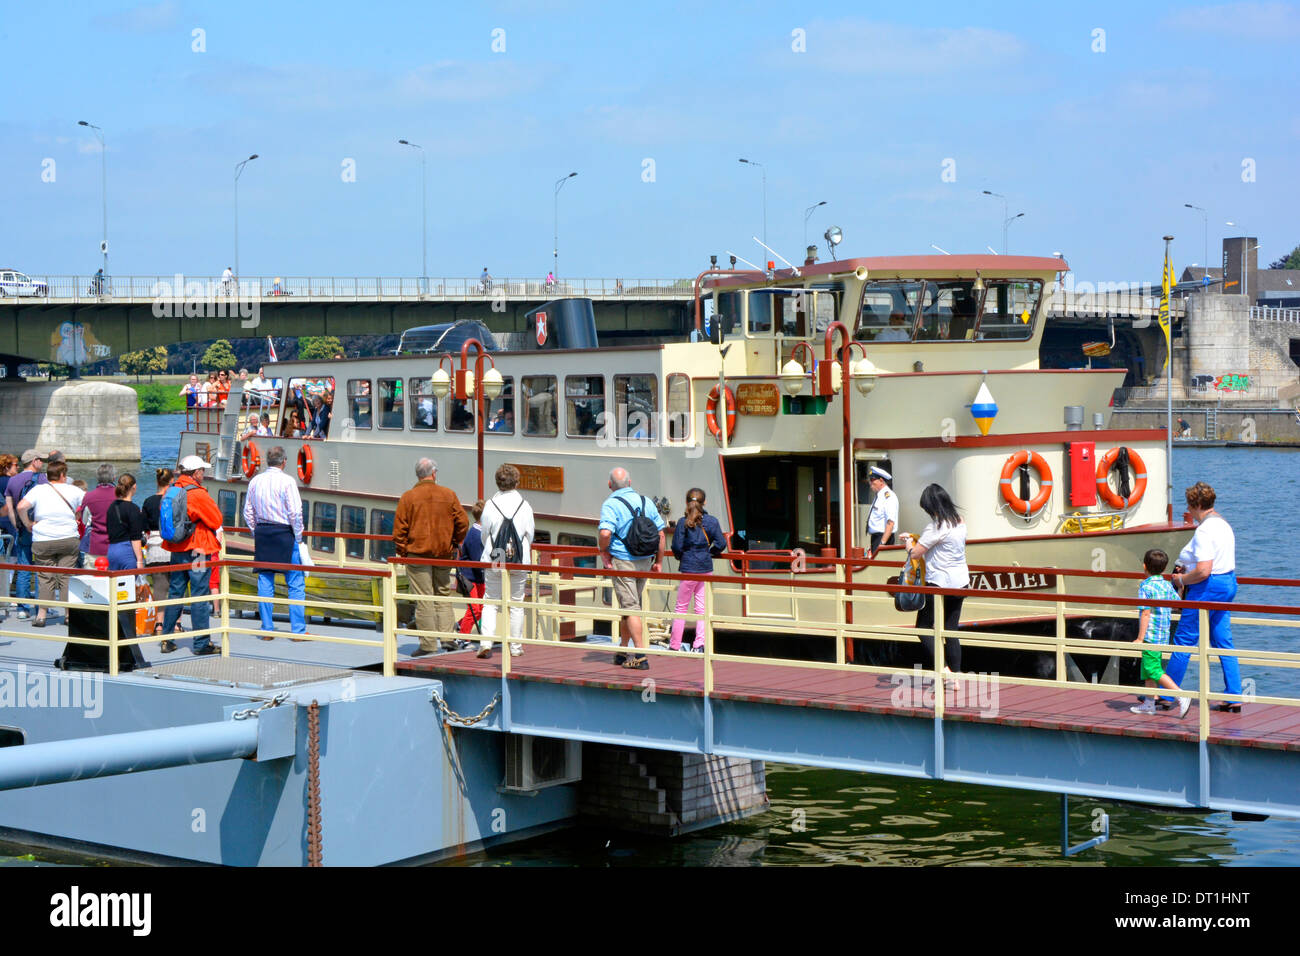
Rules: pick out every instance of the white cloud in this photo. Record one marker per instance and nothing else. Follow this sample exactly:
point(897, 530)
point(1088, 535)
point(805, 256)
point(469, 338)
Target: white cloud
point(862, 47)
point(146, 18)
point(1247, 20)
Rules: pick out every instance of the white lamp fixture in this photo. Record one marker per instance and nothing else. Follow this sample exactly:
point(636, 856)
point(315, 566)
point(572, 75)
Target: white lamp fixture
point(792, 378)
point(837, 377)
point(863, 373)
point(440, 383)
point(492, 384)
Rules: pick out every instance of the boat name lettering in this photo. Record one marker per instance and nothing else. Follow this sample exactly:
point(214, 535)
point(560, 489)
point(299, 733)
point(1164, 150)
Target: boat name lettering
point(758, 398)
point(541, 477)
point(1004, 581)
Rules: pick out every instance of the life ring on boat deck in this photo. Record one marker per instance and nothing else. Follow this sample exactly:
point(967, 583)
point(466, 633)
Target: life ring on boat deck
point(252, 460)
point(304, 465)
point(1116, 501)
point(711, 412)
point(1018, 504)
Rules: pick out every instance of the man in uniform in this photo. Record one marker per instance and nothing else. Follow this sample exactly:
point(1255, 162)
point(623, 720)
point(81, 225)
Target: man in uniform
point(882, 522)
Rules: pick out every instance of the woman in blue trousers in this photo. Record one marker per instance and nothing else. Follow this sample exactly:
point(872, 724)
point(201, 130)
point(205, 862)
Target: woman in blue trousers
point(1209, 573)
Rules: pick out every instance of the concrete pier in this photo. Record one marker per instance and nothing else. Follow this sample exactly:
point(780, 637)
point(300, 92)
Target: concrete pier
point(87, 421)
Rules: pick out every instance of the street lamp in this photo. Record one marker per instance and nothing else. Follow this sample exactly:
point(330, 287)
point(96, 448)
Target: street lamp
point(424, 221)
point(1005, 224)
point(103, 187)
point(807, 214)
point(750, 162)
point(1205, 224)
point(555, 247)
point(441, 384)
point(239, 169)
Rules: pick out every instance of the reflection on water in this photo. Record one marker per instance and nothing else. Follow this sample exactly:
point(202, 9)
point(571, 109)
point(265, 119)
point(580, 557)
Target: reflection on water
point(822, 817)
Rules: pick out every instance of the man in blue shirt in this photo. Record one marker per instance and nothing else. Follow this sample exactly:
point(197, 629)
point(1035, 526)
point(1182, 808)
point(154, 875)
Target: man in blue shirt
point(616, 517)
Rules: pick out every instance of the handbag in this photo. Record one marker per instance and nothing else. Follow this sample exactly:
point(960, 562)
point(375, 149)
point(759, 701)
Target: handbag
point(912, 575)
point(146, 617)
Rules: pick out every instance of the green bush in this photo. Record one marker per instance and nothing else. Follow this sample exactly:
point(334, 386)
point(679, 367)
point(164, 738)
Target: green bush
point(158, 399)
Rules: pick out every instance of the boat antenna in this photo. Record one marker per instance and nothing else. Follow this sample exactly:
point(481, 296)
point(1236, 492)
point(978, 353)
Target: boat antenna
point(735, 257)
point(778, 255)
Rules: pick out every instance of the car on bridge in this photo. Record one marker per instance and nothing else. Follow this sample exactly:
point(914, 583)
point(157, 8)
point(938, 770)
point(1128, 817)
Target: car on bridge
point(13, 282)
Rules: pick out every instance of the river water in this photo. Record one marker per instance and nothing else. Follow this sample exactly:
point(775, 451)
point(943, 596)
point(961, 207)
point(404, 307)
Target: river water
point(820, 817)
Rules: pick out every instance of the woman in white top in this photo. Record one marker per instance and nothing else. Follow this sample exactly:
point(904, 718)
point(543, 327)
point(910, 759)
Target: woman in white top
point(506, 504)
point(55, 540)
point(1207, 568)
point(943, 545)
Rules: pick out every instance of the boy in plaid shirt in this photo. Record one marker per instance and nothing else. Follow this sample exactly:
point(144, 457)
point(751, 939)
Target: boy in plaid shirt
point(1153, 628)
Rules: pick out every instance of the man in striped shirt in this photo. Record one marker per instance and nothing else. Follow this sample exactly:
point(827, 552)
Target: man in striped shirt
point(273, 512)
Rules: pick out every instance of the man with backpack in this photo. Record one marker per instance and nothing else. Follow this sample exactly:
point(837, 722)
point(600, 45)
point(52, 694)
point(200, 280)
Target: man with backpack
point(24, 583)
point(430, 523)
point(631, 539)
point(508, 533)
point(189, 523)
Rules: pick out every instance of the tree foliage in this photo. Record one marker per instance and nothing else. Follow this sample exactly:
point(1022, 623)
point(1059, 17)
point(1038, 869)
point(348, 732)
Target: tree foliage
point(219, 355)
point(1290, 261)
point(319, 347)
point(144, 361)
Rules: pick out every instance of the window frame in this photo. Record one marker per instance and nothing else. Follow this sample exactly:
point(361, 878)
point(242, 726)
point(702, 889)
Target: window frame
point(414, 394)
point(352, 412)
point(604, 407)
point(621, 426)
point(350, 546)
point(555, 393)
point(668, 415)
point(377, 399)
point(324, 545)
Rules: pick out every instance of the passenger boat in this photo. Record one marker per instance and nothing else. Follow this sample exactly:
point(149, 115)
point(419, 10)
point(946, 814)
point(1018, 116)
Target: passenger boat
point(793, 385)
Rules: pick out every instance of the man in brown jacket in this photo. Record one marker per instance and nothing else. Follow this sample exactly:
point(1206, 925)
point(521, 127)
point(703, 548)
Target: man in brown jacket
point(430, 523)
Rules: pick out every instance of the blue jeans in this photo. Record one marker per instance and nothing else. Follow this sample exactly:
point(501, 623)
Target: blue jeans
point(297, 584)
point(198, 578)
point(24, 582)
point(1217, 587)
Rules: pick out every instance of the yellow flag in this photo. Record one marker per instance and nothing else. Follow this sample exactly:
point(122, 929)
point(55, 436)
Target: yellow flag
point(1166, 283)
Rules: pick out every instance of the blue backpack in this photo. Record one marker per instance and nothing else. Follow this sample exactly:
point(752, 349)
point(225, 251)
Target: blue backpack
point(174, 524)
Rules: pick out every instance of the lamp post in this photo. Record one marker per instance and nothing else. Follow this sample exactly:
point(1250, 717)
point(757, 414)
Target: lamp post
point(1205, 225)
point(424, 220)
point(441, 384)
point(555, 247)
point(989, 192)
point(239, 169)
point(1005, 224)
point(750, 162)
point(103, 188)
point(807, 214)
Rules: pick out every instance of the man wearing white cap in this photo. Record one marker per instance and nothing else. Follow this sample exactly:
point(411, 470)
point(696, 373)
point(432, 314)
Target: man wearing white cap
point(201, 545)
point(883, 519)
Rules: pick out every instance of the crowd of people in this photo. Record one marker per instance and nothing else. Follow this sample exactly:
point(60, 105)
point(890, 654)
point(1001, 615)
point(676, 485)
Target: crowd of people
point(214, 392)
point(49, 521)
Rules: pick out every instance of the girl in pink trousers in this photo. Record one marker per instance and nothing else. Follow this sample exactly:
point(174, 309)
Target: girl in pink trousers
point(697, 539)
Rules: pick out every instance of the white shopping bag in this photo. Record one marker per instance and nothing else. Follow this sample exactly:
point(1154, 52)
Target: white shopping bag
point(304, 557)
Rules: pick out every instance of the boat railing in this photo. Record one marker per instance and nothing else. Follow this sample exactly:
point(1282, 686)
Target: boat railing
point(862, 612)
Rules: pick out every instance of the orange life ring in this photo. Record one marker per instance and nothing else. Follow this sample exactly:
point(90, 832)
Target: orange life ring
point(711, 413)
point(252, 460)
point(1104, 466)
point(304, 465)
point(1018, 504)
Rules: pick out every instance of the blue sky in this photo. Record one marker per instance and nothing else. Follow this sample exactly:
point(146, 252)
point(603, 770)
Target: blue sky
point(1099, 149)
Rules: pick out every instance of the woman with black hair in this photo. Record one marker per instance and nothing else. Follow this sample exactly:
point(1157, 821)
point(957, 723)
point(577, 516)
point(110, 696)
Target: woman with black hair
point(943, 545)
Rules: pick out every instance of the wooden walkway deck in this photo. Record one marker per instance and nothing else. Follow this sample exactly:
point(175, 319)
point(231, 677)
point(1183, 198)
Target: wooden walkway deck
point(1269, 726)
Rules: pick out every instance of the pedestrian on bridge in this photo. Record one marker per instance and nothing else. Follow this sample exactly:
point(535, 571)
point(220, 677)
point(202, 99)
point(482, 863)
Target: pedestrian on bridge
point(273, 512)
point(430, 523)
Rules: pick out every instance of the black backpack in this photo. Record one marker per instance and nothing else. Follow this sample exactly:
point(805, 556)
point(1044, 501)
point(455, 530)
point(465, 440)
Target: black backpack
point(506, 545)
point(642, 538)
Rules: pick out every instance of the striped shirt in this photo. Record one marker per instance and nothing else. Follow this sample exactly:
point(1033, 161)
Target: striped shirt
point(1156, 588)
point(273, 499)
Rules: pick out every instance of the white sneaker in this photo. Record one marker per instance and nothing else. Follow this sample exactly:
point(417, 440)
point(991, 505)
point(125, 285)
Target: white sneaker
point(22, 615)
point(1148, 708)
point(484, 649)
point(1184, 705)
point(516, 650)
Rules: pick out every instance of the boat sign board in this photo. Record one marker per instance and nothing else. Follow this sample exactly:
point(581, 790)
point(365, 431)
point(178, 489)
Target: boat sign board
point(541, 477)
point(758, 398)
point(1005, 581)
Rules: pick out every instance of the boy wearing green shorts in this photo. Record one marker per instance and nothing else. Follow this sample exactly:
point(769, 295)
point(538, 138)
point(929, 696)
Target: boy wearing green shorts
point(1153, 628)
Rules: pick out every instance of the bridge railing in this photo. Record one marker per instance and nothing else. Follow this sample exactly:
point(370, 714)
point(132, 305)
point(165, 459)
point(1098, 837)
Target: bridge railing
point(564, 595)
point(1274, 314)
point(1125, 302)
point(138, 289)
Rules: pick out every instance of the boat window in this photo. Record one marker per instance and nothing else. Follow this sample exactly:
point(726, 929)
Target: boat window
point(239, 515)
point(354, 522)
point(760, 312)
point(301, 393)
point(381, 522)
point(826, 306)
point(727, 310)
point(325, 519)
point(1009, 309)
point(359, 402)
point(501, 410)
point(678, 419)
point(564, 539)
point(792, 307)
point(636, 400)
point(226, 502)
point(584, 399)
point(390, 403)
point(948, 311)
point(424, 407)
point(888, 311)
point(460, 415)
point(539, 405)
point(541, 537)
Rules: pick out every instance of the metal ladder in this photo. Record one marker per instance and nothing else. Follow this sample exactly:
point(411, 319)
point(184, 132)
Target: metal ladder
point(1212, 423)
point(228, 440)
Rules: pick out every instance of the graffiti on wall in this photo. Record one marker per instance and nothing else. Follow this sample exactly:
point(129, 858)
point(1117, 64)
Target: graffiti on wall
point(74, 344)
point(1232, 382)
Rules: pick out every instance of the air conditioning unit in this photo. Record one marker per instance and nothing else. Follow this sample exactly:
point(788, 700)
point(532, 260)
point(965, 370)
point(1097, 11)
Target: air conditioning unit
point(534, 763)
